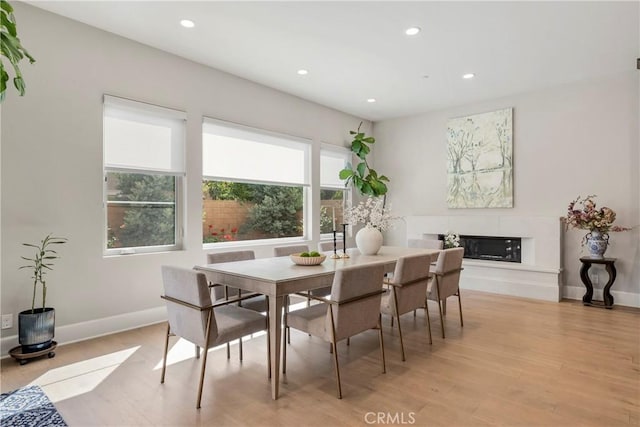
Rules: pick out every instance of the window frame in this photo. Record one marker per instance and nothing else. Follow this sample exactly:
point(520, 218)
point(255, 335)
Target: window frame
point(266, 137)
point(154, 113)
point(347, 193)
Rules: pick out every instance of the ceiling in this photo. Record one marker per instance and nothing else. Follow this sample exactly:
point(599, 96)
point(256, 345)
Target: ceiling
point(358, 50)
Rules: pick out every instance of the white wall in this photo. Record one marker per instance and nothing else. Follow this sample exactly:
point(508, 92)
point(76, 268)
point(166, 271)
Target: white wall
point(52, 162)
point(573, 140)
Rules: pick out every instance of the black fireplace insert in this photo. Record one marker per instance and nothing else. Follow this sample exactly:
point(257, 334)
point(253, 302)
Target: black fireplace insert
point(491, 248)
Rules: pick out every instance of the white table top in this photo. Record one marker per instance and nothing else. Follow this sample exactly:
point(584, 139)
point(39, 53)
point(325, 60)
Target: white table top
point(282, 269)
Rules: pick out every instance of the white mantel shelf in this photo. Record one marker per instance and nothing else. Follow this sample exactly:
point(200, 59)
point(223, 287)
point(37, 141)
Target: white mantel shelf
point(539, 275)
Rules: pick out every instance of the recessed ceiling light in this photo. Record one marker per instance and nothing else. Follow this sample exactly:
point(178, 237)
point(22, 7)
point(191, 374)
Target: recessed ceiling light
point(371, 100)
point(412, 31)
point(187, 23)
point(468, 76)
point(426, 76)
point(303, 72)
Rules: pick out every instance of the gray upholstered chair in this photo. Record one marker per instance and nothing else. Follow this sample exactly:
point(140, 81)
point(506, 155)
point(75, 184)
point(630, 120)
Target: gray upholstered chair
point(222, 292)
point(354, 307)
point(193, 317)
point(425, 243)
point(407, 289)
point(288, 250)
point(328, 246)
point(446, 280)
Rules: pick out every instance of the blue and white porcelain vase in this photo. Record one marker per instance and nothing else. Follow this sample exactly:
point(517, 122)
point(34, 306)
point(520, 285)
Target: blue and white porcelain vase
point(597, 243)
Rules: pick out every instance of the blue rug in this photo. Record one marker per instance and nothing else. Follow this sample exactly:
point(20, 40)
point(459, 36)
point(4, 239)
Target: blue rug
point(28, 407)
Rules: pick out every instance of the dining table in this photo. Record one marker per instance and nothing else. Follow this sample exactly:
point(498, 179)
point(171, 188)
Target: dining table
point(278, 277)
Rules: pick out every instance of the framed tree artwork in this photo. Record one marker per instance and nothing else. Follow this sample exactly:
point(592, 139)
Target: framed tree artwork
point(480, 160)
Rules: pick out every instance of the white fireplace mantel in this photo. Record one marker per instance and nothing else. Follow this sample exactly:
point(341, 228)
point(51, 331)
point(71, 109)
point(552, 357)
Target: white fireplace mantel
point(538, 276)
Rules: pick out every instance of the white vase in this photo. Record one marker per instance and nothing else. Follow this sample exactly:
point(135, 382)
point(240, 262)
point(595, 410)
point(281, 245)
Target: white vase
point(369, 240)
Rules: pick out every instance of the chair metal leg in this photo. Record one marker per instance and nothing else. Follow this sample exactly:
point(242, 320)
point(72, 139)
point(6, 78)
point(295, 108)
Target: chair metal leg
point(335, 354)
point(204, 359)
point(349, 341)
point(460, 307)
point(240, 349)
point(440, 308)
point(197, 352)
point(395, 301)
point(426, 309)
point(384, 363)
point(228, 351)
point(444, 307)
point(164, 357)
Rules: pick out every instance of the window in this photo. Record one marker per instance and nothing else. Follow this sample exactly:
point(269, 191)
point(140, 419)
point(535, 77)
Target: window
point(332, 191)
point(143, 173)
point(253, 183)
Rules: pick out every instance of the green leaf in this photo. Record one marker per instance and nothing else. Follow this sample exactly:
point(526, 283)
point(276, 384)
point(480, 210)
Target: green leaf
point(4, 5)
point(373, 174)
point(18, 82)
point(361, 169)
point(345, 173)
point(366, 189)
point(352, 132)
point(369, 139)
point(356, 147)
point(10, 26)
point(383, 178)
point(364, 151)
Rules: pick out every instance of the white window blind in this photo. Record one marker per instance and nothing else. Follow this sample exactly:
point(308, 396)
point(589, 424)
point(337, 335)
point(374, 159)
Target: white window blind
point(332, 160)
point(143, 137)
point(236, 153)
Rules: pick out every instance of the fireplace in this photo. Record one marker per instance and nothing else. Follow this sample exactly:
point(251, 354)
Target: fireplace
point(507, 249)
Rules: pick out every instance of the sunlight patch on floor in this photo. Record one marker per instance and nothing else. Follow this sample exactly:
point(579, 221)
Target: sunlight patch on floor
point(183, 349)
point(80, 377)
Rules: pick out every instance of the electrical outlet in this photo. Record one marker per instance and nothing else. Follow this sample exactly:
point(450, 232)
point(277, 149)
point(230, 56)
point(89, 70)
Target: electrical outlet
point(7, 321)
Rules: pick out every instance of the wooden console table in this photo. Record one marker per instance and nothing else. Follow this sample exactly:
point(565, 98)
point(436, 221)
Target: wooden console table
point(587, 262)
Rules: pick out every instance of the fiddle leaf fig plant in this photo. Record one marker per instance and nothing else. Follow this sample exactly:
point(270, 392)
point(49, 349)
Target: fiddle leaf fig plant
point(40, 263)
point(11, 48)
point(363, 177)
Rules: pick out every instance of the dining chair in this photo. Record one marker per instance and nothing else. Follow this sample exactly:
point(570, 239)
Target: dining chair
point(407, 290)
point(279, 251)
point(425, 243)
point(288, 250)
point(328, 246)
point(222, 291)
point(193, 317)
point(353, 307)
point(446, 281)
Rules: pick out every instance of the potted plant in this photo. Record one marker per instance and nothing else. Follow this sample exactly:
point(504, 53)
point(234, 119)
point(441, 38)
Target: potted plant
point(36, 326)
point(583, 214)
point(365, 179)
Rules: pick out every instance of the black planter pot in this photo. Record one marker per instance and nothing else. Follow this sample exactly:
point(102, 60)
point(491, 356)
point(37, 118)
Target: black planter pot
point(36, 330)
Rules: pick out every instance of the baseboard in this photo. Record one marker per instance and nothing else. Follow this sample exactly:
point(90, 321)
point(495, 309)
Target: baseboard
point(628, 299)
point(96, 328)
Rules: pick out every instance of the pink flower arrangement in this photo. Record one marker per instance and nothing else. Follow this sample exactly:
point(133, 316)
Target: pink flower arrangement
point(582, 213)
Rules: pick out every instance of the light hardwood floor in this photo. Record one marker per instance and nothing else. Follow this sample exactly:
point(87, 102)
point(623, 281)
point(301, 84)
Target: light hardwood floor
point(515, 362)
